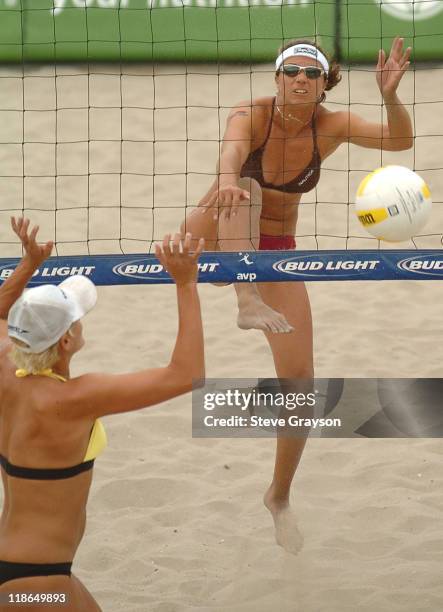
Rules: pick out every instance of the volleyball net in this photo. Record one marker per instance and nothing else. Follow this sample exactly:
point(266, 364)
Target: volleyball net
point(108, 156)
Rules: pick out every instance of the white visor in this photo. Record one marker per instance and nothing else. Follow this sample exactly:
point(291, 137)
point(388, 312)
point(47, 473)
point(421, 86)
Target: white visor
point(41, 316)
point(304, 51)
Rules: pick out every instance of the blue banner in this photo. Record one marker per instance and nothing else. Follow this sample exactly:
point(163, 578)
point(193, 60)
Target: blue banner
point(251, 266)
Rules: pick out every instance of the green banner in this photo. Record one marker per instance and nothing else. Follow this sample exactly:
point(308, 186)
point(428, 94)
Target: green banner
point(368, 25)
point(211, 30)
point(146, 30)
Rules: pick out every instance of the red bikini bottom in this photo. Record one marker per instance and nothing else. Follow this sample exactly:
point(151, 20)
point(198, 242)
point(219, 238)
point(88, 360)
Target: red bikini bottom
point(276, 243)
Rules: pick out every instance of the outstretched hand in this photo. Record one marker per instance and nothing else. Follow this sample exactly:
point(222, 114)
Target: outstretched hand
point(34, 252)
point(180, 262)
point(390, 71)
point(225, 201)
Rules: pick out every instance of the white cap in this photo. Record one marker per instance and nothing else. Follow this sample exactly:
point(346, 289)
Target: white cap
point(43, 314)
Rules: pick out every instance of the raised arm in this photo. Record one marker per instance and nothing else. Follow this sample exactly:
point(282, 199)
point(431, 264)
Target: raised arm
point(34, 255)
point(236, 144)
point(397, 134)
point(100, 394)
point(235, 149)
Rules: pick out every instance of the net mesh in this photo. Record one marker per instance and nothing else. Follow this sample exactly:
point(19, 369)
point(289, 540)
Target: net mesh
point(107, 158)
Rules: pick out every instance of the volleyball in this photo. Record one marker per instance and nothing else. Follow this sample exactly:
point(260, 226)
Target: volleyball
point(393, 203)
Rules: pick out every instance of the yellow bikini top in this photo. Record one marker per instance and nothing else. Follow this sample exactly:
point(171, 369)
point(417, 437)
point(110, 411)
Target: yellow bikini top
point(98, 439)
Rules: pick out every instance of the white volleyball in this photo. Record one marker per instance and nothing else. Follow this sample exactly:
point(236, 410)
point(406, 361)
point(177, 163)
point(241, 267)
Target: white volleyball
point(393, 203)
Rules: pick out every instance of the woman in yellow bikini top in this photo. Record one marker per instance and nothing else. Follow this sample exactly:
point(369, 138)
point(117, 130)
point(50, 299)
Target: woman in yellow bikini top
point(50, 428)
point(97, 443)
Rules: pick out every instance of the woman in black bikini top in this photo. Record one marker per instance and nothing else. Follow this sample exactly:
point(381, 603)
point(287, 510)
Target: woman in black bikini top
point(245, 212)
point(304, 182)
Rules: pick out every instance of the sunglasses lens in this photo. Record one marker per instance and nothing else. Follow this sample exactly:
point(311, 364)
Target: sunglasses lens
point(312, 72)
point(291, 69)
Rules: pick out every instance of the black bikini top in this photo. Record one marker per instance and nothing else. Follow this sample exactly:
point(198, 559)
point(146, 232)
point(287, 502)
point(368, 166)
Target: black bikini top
point(304, 182)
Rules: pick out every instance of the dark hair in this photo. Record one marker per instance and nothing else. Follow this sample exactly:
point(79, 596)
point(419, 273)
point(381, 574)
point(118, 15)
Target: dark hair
point(334, 76)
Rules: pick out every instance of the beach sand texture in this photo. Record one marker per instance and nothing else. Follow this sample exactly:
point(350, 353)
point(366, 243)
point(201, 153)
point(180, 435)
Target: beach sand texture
point(175, 523)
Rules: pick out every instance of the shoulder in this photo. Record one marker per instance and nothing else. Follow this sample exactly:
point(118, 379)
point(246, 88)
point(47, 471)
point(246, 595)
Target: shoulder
point(259, 107)
point(256, 103)
point(331, 118)
point(77, 396)
point(87, 396)
point(337, 121)
point(333, 123)
point(249, 117)
point(262, 107)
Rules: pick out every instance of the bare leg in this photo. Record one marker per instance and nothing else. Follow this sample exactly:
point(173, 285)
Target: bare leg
point(276, 499)
point(293, 358)
point(242, 233)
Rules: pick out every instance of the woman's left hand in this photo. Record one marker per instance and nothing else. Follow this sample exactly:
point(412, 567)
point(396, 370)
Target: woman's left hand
point(35, 253)
point(390, 71)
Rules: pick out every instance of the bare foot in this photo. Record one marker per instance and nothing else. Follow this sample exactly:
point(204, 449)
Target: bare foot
point(253, 313)
point(287, 534)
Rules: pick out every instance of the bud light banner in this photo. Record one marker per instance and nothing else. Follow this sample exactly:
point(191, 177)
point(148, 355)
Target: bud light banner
point(245, 267)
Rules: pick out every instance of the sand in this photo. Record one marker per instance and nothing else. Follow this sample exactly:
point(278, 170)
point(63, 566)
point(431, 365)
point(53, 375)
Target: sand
point(177, 523)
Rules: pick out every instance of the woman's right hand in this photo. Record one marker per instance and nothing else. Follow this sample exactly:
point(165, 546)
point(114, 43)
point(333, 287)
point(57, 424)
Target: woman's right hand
point(226, 200)
point(179, 262)
point(35, 253)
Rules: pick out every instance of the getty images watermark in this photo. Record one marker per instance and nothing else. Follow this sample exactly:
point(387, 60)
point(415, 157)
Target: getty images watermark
point(338, 408)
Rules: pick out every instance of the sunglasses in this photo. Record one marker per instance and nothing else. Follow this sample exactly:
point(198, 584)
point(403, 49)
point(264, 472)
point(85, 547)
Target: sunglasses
point(311, 72)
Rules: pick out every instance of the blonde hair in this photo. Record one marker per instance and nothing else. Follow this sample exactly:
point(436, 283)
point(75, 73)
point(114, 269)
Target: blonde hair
point(34, 362)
